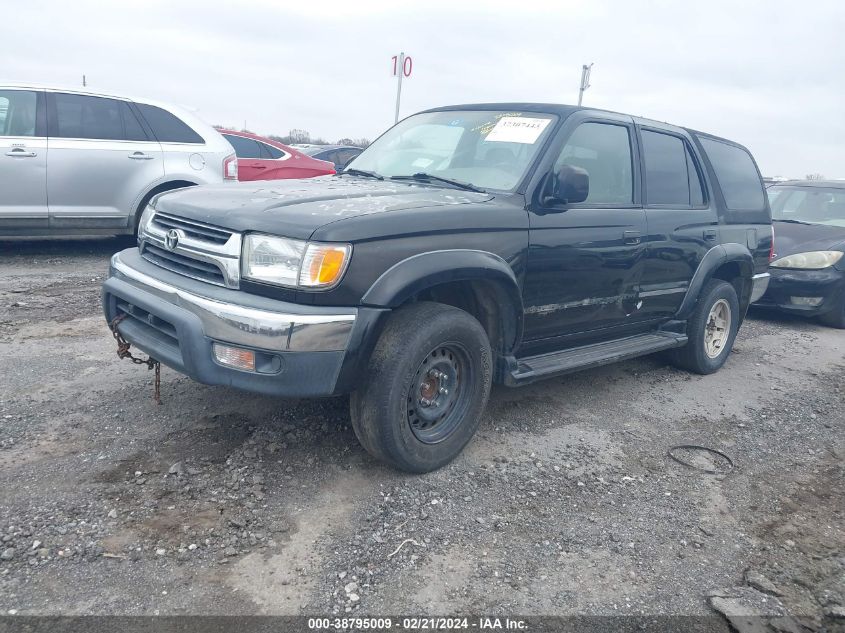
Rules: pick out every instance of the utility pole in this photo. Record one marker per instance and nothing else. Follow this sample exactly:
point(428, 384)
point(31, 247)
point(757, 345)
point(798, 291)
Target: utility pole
point(83, 81)
point(400, 70)
point(585, 81)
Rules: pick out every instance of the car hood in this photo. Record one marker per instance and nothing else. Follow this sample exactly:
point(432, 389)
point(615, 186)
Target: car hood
point(792, 238)
point(296, 208)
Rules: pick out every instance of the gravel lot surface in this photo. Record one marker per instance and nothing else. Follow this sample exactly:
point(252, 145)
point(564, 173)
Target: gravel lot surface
point(565, 503)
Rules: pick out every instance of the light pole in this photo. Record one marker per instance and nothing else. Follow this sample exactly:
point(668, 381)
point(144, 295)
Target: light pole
point(400, 70)
point(585, 81)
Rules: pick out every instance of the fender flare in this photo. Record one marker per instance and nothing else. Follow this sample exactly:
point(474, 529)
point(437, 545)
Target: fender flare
point(712, 260)
point(410, 276)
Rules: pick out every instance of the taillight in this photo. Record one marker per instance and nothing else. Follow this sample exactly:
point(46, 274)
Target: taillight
point(772, 247)
point(230, 167)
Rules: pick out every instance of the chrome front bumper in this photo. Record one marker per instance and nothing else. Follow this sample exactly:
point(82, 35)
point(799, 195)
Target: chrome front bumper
point(760, 282)
point(275, 325)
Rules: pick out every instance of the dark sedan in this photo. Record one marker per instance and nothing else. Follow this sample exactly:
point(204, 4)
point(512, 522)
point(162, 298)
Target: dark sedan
point(808, 269)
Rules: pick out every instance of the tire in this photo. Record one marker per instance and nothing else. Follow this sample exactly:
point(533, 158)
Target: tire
point(428, 353)
point(834, 318)
point(697, 355)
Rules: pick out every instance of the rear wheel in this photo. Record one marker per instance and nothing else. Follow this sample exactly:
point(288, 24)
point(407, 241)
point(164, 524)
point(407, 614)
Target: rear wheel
point(425, 389)
point(711, 329)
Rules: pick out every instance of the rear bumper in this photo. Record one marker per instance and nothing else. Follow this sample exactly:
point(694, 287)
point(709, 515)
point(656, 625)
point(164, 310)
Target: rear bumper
point(300, 350)
point(790, 290)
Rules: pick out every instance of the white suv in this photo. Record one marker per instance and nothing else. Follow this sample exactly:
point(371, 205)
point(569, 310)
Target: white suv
point(75, 162)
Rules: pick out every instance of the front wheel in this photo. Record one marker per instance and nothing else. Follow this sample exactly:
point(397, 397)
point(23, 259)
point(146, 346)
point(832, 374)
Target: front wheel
point(711, 330)
point(425, 388)
point(835, 318)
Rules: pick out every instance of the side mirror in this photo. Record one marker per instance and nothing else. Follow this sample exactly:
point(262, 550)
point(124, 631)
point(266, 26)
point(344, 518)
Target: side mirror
point(569, 185)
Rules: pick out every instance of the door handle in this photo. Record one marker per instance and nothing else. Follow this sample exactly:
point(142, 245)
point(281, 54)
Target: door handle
point(259, 166)
point(632, 237)
point(140, 156)
point(19, 152)
point(709, 234)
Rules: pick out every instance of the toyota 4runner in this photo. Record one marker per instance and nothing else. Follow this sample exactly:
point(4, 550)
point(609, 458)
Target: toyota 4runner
point(468, 245)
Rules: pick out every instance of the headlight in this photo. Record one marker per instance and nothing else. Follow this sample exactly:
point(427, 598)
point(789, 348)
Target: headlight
point(814, 260)
point(293, 263)
point(145, 219)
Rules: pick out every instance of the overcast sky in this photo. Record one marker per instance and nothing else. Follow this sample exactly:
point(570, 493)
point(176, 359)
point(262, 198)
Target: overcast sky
point(768, 74)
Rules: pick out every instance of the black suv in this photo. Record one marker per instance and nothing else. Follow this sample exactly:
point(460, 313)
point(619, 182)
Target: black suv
point(468, 245)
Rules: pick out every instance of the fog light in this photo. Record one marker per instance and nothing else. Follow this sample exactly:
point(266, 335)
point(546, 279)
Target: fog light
point(234, 357)
point(806, 301)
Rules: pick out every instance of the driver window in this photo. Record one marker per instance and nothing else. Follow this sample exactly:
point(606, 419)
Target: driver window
point(604, 151)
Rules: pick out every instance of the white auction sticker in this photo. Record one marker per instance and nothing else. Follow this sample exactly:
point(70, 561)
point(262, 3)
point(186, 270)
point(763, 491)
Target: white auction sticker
point(517, 129)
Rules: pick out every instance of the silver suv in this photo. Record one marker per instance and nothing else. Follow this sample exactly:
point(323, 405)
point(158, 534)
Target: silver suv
point(75, 162)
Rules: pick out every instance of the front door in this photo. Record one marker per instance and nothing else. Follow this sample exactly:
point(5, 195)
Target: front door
point(23, 160)
point(585, 259)
point(100, 162)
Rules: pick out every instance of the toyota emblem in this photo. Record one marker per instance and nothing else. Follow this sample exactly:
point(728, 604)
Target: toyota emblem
point(171, 240)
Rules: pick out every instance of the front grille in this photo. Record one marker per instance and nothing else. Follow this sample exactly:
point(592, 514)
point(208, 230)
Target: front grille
point(183, 265)
point(192, 229)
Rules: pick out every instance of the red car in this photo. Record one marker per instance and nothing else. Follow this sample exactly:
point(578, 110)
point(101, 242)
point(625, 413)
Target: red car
point(261, 158)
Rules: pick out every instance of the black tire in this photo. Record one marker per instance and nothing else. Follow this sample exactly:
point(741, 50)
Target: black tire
point(834, 318)
point(694, 355)
point(388, 411)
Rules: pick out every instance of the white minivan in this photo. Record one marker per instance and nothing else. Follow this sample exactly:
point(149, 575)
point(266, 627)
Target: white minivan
point(74, 162)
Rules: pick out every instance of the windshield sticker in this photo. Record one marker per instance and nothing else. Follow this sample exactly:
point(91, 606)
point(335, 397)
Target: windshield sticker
point(517, 130)
point(485, 127)
point(422, 162)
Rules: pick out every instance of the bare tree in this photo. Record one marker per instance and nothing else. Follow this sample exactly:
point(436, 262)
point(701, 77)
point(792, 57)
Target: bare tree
point(814, 177)
point(299, 136)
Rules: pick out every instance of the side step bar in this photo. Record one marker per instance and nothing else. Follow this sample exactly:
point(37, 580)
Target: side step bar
point(533, 368)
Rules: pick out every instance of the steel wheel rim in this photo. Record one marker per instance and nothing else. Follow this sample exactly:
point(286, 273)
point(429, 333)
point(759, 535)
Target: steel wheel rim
point(717, 329)
point(438, 395)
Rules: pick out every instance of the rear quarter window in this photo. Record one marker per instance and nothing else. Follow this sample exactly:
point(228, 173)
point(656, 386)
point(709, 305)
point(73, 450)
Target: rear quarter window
point(167, 127)
point(739, 181)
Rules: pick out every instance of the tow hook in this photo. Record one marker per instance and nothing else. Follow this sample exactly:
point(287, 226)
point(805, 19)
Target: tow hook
point(123, 352)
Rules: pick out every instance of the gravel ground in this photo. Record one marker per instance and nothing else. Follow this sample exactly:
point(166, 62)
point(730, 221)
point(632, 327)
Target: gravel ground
point(220, 502)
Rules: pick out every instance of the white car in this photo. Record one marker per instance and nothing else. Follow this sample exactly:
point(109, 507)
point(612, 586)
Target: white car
point(76, 162)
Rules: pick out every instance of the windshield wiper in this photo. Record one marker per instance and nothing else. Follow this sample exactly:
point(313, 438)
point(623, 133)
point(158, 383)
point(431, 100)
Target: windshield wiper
point(361, 172)
point(424, 177)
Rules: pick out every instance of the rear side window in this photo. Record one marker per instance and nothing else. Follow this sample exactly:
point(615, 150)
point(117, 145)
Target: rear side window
point(17, 112)
point(670, 173)
point(167, 127)
point(244, 147)
point(268, 151)
point(604, 151)
point(81, 116)
point(131, 124)
point(737, 175)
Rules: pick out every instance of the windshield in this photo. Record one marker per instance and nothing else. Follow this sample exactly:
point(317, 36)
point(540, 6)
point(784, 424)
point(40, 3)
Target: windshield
point(488, 149)
point(813, 205)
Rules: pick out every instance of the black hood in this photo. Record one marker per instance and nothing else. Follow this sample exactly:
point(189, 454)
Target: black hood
point(296, 208)
point(791, 237)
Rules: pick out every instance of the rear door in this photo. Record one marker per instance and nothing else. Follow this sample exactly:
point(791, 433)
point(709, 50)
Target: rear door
point(585, 259)
point(682, 222)
point(100, 162)
point(23, 160)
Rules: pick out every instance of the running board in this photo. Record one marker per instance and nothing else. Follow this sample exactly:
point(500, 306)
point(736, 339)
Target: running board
point(542, 366)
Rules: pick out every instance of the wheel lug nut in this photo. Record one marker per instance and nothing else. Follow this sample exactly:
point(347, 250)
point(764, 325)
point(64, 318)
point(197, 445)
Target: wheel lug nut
point(425, 402)
point(433, 373)
point(443, 390)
